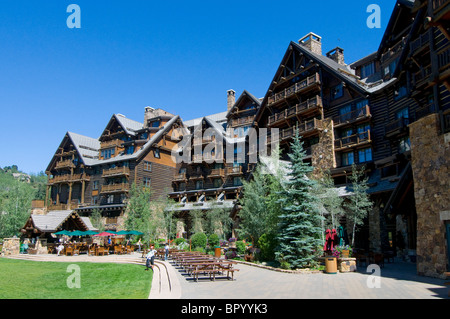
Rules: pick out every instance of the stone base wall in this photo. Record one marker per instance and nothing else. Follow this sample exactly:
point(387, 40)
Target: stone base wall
point(11, 246)
point(430, 155)
point(322, 153)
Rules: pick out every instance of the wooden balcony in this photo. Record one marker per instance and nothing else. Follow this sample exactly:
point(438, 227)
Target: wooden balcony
point(67, 178)
point(440, 9)
point(420, 43)
point(65, 164)
point(203, 140)
point(58, 207)
point(180, 177)
point(311, 126)
point(393, 51)
point(444, 64)
point(217, 172)
point(396, 127)
point(196, 176)
point(111, 144)
point(234, 171)
point(299, 87)
point(352, 140)
point(247, 120)
point(425, 110)
point(116, 171)
point(115, 188)
point(352, 117)
point(305, 108)
point(422, 77)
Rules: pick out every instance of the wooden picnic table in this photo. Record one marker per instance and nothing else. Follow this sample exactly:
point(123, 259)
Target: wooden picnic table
point(213, 268)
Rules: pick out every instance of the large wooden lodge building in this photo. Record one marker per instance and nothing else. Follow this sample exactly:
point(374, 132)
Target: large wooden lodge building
point(388, 111)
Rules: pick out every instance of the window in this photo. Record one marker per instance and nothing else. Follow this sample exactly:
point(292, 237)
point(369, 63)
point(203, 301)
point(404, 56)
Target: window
point(237, 181)
point(404, 145)
point(95, 186)
point(403, 113)
point(361, 104)
point(146, 181)
point(400, 92)
point(110, 199)
point(337, 91)
point(198, 184)
point(182, 187)
point(108, 153)
point(347, 159)
point(182, 170)
point(365, 155)
point(147, 166)
point(363, 131)
point(94, 200)
point(155, 124)
point(367, 70)
point(129, 150)
point(156, 153)
point(217, 182)
point(344, 112)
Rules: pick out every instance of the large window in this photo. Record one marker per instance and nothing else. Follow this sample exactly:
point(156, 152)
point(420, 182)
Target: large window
point(367, 70)
point(347, 159)
point(199, 185)
point(337, 91)
point(147, 166)
point(147, 181)
point(365, 155)
point(108, 153)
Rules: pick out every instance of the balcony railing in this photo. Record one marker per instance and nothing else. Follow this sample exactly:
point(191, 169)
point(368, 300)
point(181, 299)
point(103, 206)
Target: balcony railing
point(352, 116)
point(396, 126)
point(116, 171)
point(235, 170)
point(67, 178)
point(424, 111)
point(352, 140)
point(420, 42)
point(422, 77)
point(203, 140)
point(247, 120)
point(444, 61)
point(116, 188)
point(299, 109)
point(394, 50)
point(296, 88)
point(438, 6)
point(196, 176)
point(65, 164)
point(180, 177)
point(111, 144)
point(217, 172)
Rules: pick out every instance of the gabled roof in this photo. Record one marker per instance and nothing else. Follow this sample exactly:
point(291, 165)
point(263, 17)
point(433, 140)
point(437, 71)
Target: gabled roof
point(242, 98)
point(129, 126)
point(54, 220)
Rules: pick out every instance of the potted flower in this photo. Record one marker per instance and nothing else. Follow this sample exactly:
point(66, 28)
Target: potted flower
point(232, 242)
point(342, 251)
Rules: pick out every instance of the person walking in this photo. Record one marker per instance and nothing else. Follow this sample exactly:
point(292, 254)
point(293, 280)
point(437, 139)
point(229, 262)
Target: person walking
point(166, 249)
point(139, 244)
point(150, 258)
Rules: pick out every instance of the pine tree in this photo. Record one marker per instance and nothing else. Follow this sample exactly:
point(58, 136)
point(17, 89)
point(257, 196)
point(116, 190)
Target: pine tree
point(300, 222)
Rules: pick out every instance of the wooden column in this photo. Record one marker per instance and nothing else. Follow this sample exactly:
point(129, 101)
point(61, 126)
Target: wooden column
point(83, 187)
point(70, 196)
point(46, 196)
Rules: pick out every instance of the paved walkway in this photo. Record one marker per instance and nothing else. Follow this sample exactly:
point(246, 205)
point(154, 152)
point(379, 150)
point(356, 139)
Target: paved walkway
point(397, 281)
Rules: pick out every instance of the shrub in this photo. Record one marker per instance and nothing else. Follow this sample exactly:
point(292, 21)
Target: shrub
point(240, 247)
point(267, 244)
point(213, 240)
point(198, 240)
point(179, 241)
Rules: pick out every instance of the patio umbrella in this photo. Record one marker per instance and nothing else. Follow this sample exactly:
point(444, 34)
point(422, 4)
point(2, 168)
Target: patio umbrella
point(124, 232)
point(90, 232)
point(135, 232)
point(62, 232)
point(103, 234)
point(76, 233)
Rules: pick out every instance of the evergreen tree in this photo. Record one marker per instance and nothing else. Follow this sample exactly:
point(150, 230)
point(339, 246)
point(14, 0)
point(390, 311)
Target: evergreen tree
point(359, 203)
point(300, 222)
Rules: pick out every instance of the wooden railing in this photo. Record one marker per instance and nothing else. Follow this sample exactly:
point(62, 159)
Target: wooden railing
point(420, 42)
point(217, 172)
point(444, 60)
point(110, 144)
point(352, 140)
point(422, 76)
point(425, 110)
point(68, 178)
point(296, 88)
point(439, 4)
point(398, 124)
point(301, 108)
point(235, 170)
point(116, 171)
point(203, 140)
point(242, 121)
point(396, 48)
point(180, 177)
point(122, 187)
point(65, 164)
point(352, 116)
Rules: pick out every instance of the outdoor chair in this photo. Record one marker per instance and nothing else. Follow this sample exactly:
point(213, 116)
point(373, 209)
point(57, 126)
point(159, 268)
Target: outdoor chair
point(69, 251)
point(117, 250)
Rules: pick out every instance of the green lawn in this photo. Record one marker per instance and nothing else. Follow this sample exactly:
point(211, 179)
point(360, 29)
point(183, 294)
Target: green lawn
point(23, 279)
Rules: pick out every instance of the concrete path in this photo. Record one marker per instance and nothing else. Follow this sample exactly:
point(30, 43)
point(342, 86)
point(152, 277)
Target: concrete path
point(397, 281)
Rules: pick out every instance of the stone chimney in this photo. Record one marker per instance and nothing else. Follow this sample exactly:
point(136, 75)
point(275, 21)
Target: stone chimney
point(312, 42)
point(231, 98)
point(149, 113)
point(337, 55)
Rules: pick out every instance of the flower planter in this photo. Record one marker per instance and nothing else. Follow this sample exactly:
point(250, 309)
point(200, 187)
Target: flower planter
point(345, 253)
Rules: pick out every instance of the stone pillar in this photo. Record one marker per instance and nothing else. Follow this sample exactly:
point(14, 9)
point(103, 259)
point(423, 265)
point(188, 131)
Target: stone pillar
point(11, 246)
point(323, 157)
point(430, 154)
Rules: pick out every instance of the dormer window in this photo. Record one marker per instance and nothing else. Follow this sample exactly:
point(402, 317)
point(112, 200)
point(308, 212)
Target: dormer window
point(337, 91)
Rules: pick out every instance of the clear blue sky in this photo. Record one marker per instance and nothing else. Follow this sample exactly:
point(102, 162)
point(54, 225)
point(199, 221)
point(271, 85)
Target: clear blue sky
point(181, 56)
